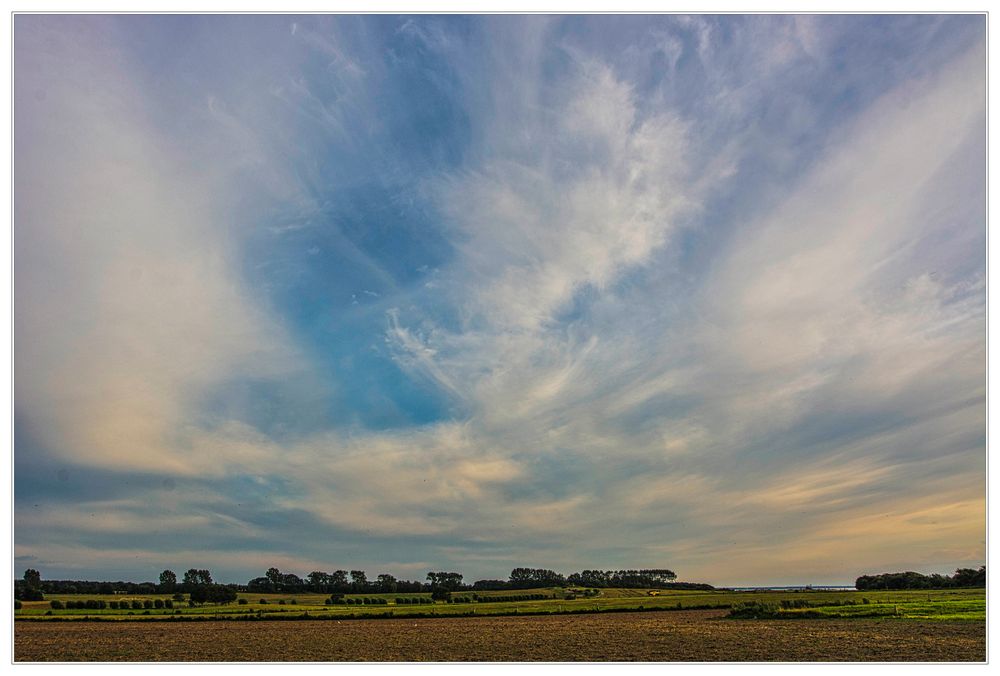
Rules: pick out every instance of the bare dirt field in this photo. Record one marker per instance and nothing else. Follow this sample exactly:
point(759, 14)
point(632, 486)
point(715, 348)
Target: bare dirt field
point(662, 636)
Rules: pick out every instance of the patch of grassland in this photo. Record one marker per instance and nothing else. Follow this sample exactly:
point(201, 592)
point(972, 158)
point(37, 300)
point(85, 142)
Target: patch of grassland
point(962, 604)
point(973, 609)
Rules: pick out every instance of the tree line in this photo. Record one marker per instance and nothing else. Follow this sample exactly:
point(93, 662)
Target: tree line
point(200, 586)
point(196, 583)
point(963, 577)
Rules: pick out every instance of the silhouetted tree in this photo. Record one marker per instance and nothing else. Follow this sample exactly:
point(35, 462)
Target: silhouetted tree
point(168, 581)
point(446, 581)
point(338, 581)
point(33, 578)
point(319, 581)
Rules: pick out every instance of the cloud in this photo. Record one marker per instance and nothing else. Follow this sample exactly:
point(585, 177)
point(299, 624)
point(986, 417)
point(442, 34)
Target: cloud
point(693, 287)
point(129, 303)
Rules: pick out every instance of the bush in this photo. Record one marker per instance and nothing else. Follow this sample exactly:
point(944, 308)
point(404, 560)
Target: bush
point(56, 605)
point(32, 594)
point(294, 602)
point(754, 610)
point(136, 604)
point(147, 604)
point(112, 604)
point(168, 603)
point(101, 604)
point(158, 603)
point(263, 602)
point(242, 602)
point(281, 602)
point(327, 602)
point(17, 604)
point(178, 597)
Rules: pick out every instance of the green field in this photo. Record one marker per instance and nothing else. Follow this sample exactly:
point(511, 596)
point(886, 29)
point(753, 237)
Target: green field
point(912, 608)
point(949, 604)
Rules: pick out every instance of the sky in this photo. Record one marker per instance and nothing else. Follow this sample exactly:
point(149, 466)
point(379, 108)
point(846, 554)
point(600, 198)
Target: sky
point(413, 293)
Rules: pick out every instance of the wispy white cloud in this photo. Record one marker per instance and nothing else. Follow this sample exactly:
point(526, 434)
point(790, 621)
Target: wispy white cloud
point(624, 349)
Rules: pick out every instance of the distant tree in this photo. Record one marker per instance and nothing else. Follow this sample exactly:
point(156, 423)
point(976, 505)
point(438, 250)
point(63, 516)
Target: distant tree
point(260, 584)
point(386, 583)
point(528, 578)
point(970, 577)
point(33, 578)
point(213, 593)
point(318, 581)
point(168, 581)
point(338, 581)
point(291, 582)
point(441, 594)
point(963, 577)
point(274, 576)
point(448, 581)
point(195, 577)
point(32, 594)
point(359, 581)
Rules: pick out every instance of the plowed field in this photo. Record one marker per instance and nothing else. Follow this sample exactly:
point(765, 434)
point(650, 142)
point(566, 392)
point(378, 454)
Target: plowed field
point(661, 636)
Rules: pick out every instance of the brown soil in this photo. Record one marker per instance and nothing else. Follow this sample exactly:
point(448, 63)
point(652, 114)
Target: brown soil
point(688, 636)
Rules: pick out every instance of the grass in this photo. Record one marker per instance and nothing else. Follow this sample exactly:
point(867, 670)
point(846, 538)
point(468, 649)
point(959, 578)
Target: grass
point(968, 609)
point(958, 604)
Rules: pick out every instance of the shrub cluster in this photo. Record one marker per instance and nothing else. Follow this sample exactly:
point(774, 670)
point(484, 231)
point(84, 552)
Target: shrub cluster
point(412, 601)
point(511, 599)
point(366, 601)
point(89, 604)
point(754, 610)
